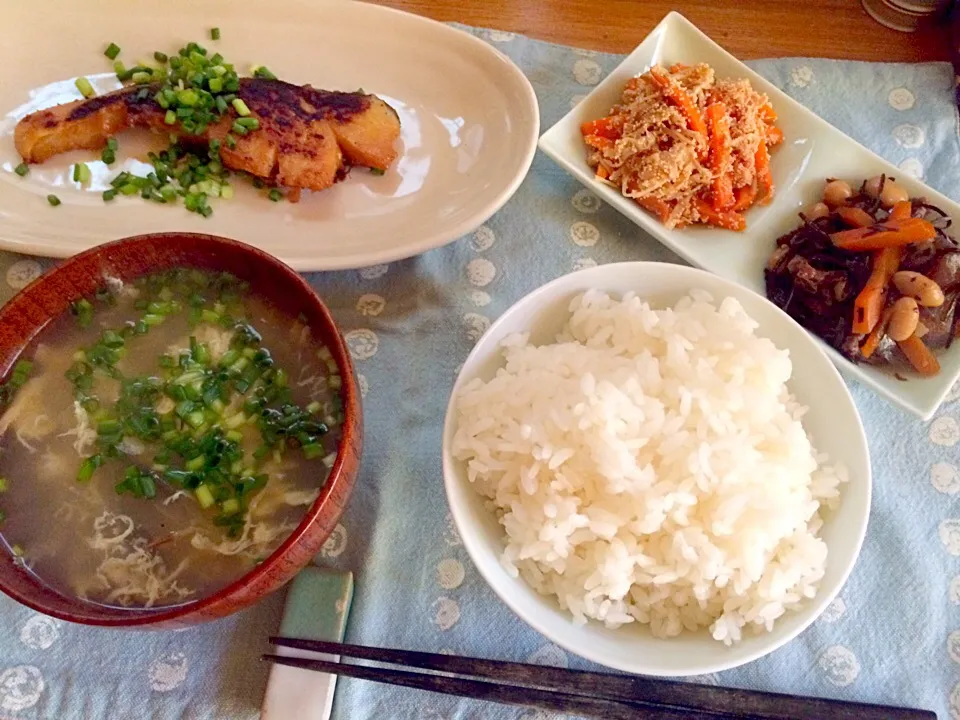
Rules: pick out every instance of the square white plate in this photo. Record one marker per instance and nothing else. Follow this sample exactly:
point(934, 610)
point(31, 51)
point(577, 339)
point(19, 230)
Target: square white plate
point(813, 150)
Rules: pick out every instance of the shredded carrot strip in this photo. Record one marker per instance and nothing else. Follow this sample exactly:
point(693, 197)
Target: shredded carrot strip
point(855, 217)
point(744, 197)
point(774, 136)
point(920, 356)
point(868, 307)
point(768, 114)
point(676, 67)
point(728, 220)
point(656, 206)
point(675, 94)
point(718, 129)
point(608, 127)
point(901, 210)
point(892, 233)
point(764, 178)
point(598, 142)
point(602, 172)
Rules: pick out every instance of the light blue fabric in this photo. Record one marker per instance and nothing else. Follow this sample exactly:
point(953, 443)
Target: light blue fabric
point(893, 636)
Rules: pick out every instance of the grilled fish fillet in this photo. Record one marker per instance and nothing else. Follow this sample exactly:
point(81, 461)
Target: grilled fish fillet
point(308, 138)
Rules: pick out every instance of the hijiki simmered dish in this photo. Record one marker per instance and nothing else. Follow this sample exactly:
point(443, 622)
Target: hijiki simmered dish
point(687, 147)
point(874, 273)
point(174, 430)
point(285, 137)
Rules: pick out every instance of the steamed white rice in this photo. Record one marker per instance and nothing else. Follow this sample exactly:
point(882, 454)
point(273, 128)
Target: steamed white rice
point(651, 466)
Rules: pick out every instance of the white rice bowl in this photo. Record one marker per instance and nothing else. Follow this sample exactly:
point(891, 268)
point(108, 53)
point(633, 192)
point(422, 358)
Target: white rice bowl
point(650, 467)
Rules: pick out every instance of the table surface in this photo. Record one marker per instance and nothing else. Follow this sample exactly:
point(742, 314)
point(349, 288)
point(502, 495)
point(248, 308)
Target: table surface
point(775, 28)
point(410, 323)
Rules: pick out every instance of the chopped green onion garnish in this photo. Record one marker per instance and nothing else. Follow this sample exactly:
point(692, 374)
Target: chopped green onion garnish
point(248, 123)
point(275, 195)
point(112, 51)
point(264, 73)
point(188, 97)
point(215, 34)
point(22, 169)
point(81, 173)
point(148, 487)
point(312, 450)
point(88, 466)
point(170, 118)
point(85, 88)
point(83, 310)
point(3, 484)
point(53, 200)
point(108, 156)
point(204, 496)
point(195, 419)
point(241, 107)
point(160, 57)
point(235, 421)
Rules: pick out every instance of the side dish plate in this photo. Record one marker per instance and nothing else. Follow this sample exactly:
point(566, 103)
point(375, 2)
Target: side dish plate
point(813, 150)
point(469, 126)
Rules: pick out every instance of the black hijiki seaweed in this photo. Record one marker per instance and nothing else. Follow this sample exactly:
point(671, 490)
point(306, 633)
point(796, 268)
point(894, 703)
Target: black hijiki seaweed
point(817, 283)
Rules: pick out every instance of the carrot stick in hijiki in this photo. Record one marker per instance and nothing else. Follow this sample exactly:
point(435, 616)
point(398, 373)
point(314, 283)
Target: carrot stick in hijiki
point(868, 307)
point(920, 356)
point(892, 233)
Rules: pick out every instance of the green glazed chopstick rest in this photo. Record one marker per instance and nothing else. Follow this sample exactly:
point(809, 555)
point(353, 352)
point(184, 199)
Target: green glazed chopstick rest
point(316, 608)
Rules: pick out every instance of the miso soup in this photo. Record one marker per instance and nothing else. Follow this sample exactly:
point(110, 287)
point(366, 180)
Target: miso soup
point(163, 438)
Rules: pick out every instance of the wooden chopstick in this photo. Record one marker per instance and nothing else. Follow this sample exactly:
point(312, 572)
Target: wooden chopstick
point(652, 695)
point(504, 694)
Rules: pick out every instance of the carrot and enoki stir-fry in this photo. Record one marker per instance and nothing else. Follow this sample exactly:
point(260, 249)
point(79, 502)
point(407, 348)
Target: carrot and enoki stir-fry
point(874, 273)
point(687, 147)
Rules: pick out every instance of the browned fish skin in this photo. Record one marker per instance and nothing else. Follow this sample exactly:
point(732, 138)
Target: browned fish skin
point(308, 138)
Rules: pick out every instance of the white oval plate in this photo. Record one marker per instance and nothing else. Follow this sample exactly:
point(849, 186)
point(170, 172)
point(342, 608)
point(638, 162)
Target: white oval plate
point(469, 122)
point(832, 423)
point(813, 150)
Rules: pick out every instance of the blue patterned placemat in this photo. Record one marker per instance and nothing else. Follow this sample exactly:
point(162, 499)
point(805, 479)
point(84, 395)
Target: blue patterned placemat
point(892, 636)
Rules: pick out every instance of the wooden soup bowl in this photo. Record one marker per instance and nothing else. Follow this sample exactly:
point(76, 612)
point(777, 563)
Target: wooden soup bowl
point(50, 295)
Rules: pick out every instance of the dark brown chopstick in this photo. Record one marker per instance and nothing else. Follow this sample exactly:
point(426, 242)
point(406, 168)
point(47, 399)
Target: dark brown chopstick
point(504, 694)
point(519, 681)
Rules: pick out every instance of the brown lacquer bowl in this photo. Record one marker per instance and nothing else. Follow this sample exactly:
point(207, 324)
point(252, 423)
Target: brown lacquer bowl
point(50, 295)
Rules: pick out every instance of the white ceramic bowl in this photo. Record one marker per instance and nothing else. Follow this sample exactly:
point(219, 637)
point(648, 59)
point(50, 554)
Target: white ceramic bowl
point(832, 421)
